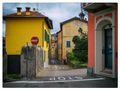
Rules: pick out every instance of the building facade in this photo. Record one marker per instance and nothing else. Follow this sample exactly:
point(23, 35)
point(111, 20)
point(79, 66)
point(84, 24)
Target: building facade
point(53, 47)
point(59, 45)
point(102, 38)
point(69, 29)
point(20, 28)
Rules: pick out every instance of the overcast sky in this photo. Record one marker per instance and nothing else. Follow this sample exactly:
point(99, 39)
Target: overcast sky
point(57, 12)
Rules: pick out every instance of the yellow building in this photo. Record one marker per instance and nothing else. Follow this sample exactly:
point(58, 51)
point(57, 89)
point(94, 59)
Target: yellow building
point(20, 28)
point(69, 29)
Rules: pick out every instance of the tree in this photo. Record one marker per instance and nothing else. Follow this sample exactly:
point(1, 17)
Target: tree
point(79, 55)
point(81, 48)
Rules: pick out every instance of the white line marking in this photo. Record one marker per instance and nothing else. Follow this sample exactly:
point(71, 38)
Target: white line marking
point(52, 78)
point(57, 81)
point(61, 78)
point(70, 77)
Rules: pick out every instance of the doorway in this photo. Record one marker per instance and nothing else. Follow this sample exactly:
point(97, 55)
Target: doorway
point(104, 48)
point(108, 48)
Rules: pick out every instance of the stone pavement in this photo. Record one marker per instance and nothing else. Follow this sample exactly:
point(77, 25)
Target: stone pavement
point(61, 70)
point(57, 67)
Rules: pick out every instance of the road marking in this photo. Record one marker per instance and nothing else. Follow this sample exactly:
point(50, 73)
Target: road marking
point(53, 78)
point(61, 78)
point(70, 78)
point(57, 81)
point(64, 78)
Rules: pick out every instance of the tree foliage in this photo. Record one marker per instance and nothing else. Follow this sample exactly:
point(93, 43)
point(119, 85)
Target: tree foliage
point(80, 51)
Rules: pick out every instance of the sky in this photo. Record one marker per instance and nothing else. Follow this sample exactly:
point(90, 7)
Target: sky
point(57, 12)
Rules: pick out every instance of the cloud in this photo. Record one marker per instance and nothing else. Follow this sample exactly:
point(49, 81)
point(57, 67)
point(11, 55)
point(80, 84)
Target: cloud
point(58, 12)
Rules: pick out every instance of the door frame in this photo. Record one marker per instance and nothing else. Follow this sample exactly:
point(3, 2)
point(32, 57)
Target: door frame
point(99, 29)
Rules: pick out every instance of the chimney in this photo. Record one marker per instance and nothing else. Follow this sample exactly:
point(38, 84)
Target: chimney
point(34, 9)
point(27, 10)
point(19, 10)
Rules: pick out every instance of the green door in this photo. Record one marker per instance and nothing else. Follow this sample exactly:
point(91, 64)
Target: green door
point(108, 48)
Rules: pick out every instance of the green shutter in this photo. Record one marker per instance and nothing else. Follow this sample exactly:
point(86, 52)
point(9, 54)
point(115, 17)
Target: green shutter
point(46, 37)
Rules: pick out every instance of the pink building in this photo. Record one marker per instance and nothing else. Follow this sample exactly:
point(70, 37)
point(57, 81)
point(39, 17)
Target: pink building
point(102, 38)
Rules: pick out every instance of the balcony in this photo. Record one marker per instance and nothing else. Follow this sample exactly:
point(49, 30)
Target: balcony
point(96, 7)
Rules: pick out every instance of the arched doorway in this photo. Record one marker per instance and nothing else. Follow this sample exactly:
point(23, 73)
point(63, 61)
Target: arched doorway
point(104, 48)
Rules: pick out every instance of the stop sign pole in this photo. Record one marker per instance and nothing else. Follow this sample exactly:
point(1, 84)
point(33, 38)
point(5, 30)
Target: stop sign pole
point(34, 40)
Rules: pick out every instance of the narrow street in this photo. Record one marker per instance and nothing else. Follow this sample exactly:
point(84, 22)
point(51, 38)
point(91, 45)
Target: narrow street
point(57, 75)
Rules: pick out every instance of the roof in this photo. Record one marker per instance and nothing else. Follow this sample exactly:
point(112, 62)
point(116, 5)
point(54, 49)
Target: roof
point(69, 20)
point(74, 18)
point(58, 32)
point(23, 14)
point(54, 36)
point(33, 14)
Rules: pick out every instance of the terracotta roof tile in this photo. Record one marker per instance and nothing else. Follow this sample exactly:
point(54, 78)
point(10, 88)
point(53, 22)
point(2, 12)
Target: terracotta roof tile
point(23, 14)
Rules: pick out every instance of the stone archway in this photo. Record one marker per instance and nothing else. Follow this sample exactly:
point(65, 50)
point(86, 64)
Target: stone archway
point(101, 26)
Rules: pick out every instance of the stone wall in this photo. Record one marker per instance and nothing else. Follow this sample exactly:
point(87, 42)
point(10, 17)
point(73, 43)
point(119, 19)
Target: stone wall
point(39, 59)
point(31, 61)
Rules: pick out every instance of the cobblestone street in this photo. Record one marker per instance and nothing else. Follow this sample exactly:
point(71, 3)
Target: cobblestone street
point(55, 68)
point(61, 70)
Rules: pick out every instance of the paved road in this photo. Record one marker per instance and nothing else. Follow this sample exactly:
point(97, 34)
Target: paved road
point(81, 83)
point(61, 70)
point(60, 76)
point(55, 62)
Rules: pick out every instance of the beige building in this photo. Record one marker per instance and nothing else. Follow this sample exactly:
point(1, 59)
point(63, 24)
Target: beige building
point(59, 45)
point(53, 47)
point(69, 29)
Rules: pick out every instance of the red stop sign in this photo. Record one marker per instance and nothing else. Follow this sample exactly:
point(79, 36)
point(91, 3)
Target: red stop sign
point(34, 40)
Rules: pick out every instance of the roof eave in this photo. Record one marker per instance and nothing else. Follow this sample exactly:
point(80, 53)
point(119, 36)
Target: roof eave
point(49, 22)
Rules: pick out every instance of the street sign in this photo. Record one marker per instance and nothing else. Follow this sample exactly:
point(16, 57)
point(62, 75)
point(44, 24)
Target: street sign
point(34, 40)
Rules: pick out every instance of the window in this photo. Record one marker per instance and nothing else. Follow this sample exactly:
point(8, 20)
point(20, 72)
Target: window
point(68, 44)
